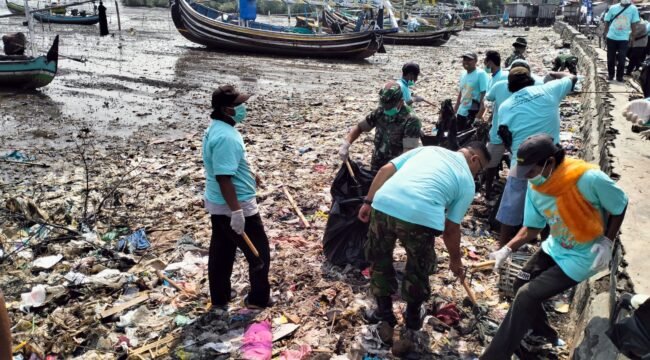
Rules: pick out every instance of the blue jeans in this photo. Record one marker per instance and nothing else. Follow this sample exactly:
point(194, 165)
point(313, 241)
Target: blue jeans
point(511, 210)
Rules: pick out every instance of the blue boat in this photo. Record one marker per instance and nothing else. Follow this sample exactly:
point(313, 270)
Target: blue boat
point(20, 72)
point(46, 17)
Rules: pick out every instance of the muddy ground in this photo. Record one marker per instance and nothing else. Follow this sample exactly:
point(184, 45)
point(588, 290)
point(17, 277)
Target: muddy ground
point(124, 130)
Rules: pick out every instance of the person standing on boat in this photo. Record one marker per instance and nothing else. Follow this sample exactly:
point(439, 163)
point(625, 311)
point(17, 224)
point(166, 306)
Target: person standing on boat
point(410, 74)
point(519, 52)
point(473, 85)
point(230, 198)
point(397, 129)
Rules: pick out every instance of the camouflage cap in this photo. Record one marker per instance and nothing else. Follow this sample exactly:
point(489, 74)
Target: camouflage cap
point(390, 94)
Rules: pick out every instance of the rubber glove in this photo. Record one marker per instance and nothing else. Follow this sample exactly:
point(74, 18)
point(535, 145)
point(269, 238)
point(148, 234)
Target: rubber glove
point(237, 221)
point(637, 111)
point(344, 149)
point(500, 256)
point(603, 250)
point(417, 98)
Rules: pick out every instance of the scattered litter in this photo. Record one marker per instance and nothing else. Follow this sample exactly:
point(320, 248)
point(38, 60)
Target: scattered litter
point(46, 262)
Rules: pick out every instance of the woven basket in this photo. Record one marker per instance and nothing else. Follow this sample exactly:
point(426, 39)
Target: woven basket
point(508, 273)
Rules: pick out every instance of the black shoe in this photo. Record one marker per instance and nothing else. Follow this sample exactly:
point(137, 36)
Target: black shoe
point(414, 316)
point(252, 306)
point(384, 312)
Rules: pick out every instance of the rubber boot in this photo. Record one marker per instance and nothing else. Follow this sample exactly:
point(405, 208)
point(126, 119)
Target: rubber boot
point(384, 312)
point(414, 316)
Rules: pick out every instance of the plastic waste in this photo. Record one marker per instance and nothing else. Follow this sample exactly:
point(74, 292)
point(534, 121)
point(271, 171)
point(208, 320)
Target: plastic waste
point(257, 342)
point(46, 262)
point(134, 243)
point(296, 354)
point(18, 155)
point(34, 298)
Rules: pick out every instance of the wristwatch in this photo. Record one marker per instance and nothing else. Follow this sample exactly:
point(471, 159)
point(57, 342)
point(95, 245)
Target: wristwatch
point(367, 201)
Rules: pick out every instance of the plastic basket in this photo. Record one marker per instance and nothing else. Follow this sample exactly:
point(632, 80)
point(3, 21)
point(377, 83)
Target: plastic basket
point(508, 273)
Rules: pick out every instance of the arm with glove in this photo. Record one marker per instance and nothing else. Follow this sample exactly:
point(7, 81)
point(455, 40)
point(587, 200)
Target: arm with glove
point(637, 112)
point(237, 219)
point(366, 125)
point(524, 236)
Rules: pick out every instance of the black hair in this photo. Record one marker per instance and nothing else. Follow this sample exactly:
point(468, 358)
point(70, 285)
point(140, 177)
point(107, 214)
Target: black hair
point(519, 82)
point(558, 156)
point(218, 114)
point(493, 56)
point(480, 146)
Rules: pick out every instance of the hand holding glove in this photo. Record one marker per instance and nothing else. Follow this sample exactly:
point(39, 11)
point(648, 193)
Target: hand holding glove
point(500, 256)
point(603, 250)
point(344, 149)
point(237, 221)
point(637, 111)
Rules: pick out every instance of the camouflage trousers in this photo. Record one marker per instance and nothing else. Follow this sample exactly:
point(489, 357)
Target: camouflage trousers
point(419, 242)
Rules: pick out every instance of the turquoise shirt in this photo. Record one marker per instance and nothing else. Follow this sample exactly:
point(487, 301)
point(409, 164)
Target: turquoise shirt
point(224, 154)
point(498, 76)
point(534, 110)
point(471, 87)
point(573, 258)
point(431, 184)
point(647, 28)
point(621, 27)
point(498, 93)
point(406, 92)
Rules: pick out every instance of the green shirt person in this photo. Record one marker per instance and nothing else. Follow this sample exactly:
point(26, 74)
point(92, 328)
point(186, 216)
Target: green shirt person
point(397, 129)
point(519, 52)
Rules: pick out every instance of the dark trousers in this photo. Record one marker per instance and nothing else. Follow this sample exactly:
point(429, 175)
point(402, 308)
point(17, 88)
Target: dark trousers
point(462, 123)
point(616, 52)
point(636, 55)
point(540, 279)
point(223, 247)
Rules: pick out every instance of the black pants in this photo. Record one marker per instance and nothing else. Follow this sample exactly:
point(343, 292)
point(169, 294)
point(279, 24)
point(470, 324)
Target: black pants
point(223, 247)
point(540, 279)
point(462, 123)
point(616, 52)
point(636, 55)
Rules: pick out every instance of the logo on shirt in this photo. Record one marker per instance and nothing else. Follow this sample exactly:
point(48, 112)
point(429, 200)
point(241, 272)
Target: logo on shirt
point(560, 232)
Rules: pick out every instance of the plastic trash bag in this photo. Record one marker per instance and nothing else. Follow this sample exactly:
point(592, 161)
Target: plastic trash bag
point(344, 233)
point(134, 243)
point(631, 335)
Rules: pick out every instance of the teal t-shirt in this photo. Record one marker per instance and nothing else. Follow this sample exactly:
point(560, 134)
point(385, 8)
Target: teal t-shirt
point(224, 154)
point(471, 87)
point(406, 92)
point(621, 27)
point(498, 76)
point(534, 110)
point(647, 28)
point(573, 258)
point(431, 184)
point(498, 93)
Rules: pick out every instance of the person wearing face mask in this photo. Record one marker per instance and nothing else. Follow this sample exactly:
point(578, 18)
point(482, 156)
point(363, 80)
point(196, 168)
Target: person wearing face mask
point(473, 85)
point(528, 111)
point(419, 195)
point(410, 74)
point(618, 27)
point(230, 198)
point(397, 129)
point(584, 209)
point(492, 63)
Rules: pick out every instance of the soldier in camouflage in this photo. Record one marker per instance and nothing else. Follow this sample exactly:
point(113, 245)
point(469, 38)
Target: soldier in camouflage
point(397, 129)
point(519, 53)
point(417, 196)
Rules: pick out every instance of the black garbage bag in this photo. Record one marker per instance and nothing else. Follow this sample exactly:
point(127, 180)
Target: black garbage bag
point(631, 335)
point(644, 78)
point(14, 44)
point(344, 233)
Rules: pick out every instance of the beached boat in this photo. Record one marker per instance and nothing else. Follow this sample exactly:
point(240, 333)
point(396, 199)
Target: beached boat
point(15, 8)
point(46, 17)
point(204, 25)
point(489, 25)
point(25, 73)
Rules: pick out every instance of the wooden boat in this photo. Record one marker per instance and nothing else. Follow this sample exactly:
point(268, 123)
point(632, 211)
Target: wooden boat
point(201, 25)
point(46, 17)
point(489, 25)
point(15, 8)
point(26, 73)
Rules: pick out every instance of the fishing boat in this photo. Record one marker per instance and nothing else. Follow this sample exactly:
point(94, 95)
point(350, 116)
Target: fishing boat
point(15, 8)
point(46, 17)
point(27, 73)
point(205, 26)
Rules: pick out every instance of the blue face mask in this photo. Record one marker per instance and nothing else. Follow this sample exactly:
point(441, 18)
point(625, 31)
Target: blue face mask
point(410, 83)
point(540, 179)
point(240, 114)
point(488, 69)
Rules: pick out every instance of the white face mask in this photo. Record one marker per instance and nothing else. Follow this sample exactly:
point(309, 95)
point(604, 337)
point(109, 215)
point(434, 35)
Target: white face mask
point(626, 2)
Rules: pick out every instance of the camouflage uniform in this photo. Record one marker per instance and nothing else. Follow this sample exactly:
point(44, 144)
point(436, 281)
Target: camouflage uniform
point(392, 133)
point(513, 57)
point(566, 62)
point(419, 242)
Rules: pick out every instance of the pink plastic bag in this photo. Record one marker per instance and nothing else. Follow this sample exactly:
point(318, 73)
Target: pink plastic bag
point(301, 353)
point(258, 344)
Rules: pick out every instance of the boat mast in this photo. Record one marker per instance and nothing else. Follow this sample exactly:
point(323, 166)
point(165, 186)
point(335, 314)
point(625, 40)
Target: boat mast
point(30, 26)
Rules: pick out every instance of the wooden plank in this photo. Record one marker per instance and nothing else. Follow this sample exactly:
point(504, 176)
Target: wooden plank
point(154, 345)
point(119, 308)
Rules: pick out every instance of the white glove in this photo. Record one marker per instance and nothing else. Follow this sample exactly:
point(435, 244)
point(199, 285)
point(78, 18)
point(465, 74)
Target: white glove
point(417, 98)
point(500, 256)
point(637, 111)
point(603, 250)
point(237, 221)
point(344, 149)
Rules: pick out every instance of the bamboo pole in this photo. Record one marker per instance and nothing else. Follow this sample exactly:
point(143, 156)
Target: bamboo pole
point(119, 22)
point(295, 206)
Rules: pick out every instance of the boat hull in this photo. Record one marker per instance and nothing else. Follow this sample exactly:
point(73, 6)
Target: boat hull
point(63, 19)
point(217, 35)
point(28, 74)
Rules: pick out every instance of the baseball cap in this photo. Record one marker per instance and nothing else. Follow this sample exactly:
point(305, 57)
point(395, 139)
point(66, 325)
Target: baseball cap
point(520, 42)
point(470, 55)
point(411, 68)
point(533, 150)
point(227, 95)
